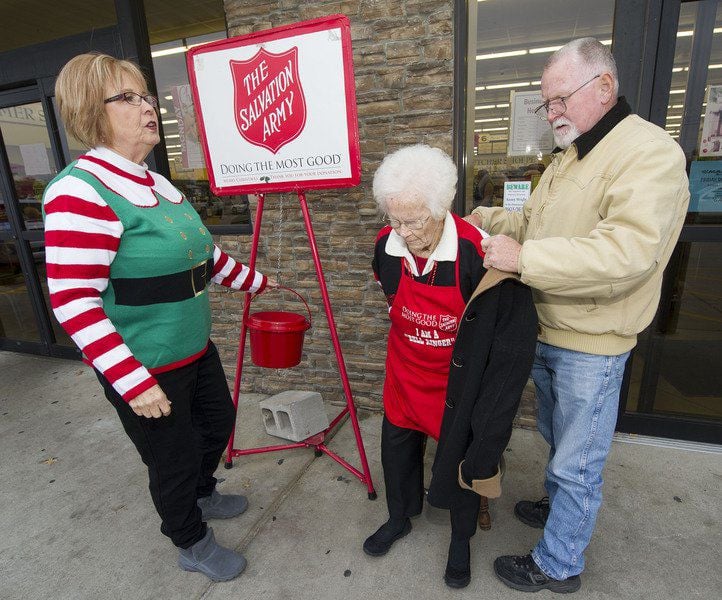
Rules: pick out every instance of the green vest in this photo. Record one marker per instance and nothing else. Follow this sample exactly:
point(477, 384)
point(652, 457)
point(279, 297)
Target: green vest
point(160, 240)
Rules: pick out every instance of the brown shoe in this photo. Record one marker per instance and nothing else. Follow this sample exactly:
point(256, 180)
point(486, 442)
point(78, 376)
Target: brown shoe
point(484, 516)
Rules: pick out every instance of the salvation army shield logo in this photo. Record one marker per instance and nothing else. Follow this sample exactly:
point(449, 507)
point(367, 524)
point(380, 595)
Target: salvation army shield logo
point(269, 105)
point(447, 323)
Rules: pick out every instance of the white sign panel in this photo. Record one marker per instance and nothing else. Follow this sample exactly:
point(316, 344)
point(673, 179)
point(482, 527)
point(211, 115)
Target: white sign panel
point(35, 159)
point(528, 134)
point(277, 109)
point(515, 194)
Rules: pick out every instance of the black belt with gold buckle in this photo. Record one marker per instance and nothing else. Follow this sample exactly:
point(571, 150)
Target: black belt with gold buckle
point(175, 287)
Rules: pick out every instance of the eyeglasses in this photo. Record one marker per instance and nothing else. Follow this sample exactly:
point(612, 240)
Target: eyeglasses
point(414, 224)
point(134, 99)
point(558, 105)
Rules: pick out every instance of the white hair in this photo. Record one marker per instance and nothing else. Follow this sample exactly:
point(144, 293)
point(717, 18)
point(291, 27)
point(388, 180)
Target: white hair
point(591, 56)
point(418, 171)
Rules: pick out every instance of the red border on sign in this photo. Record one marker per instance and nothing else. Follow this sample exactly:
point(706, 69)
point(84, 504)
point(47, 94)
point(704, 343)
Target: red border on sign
point(324, 23)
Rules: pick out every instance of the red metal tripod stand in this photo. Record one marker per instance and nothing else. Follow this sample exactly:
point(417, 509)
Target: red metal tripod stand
point(317, 441)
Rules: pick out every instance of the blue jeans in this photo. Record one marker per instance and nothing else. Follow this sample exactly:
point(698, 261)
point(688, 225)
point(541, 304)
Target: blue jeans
point(577, 402)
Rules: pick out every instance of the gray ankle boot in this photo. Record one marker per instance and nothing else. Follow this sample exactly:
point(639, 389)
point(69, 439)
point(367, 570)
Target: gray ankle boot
point(222, 506)
point(213, 560)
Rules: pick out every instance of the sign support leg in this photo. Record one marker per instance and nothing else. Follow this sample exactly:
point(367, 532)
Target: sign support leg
point(350, 407)
point(317, 442)
point(244, 329)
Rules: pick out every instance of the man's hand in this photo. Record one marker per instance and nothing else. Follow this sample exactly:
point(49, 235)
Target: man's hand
point(501, 252)
point(151, 403)
point(475, 220)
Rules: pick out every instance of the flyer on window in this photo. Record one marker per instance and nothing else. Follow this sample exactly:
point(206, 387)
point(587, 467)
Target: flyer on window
point(528, 134)
point(187, 129)
point(711, 142)
point(516, 193)
point(705, 186)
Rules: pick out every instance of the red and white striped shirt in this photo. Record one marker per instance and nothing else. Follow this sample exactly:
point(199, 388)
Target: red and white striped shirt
point(82, 236)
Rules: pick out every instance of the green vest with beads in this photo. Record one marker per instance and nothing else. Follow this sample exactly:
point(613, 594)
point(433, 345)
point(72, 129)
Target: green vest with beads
point(158, 240)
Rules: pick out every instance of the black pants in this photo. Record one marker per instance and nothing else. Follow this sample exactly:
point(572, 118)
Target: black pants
point(402, 458)
point(183, 449)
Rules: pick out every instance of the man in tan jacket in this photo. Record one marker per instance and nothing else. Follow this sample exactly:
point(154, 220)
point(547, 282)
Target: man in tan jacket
point(592, 241)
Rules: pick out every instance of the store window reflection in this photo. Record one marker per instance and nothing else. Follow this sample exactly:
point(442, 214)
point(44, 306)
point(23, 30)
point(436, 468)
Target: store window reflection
point(704, 144)
point(72, 147)
point(187, 164)
point(31, 162)
point(680, 71)
point(17, 320)
point(677, 367)
point(27, 144)
point(508, 74)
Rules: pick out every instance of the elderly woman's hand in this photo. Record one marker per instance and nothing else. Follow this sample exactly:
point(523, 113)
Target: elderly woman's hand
point(151, 403)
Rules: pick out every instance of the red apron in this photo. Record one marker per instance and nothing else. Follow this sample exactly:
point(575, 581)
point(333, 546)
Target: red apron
point(424, 320)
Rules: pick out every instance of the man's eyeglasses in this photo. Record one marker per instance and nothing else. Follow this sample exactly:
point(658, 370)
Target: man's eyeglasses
point(134, 99)
point(558, 105)
point(414, 224)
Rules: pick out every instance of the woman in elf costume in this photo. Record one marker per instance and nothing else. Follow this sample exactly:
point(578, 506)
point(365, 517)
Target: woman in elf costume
point(128, 264)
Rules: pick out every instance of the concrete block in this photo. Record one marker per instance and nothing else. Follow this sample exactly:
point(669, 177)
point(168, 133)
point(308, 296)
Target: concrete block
point(294, 414)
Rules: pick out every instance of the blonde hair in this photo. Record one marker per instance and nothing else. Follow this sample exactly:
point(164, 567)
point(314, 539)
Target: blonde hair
point(80, 91)
point(421, 171)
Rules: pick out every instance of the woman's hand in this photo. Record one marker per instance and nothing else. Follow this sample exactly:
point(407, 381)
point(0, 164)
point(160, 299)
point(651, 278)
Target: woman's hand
point(151, 403)
point(271, 283)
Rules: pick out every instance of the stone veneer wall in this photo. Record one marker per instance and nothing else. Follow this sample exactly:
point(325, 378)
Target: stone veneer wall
point(403, 64)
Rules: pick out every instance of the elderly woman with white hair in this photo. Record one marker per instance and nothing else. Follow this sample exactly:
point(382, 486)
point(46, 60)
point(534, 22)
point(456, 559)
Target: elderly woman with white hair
point(428, 262)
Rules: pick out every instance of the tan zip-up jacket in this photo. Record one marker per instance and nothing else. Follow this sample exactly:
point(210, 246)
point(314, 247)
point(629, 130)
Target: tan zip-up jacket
point(597, 234)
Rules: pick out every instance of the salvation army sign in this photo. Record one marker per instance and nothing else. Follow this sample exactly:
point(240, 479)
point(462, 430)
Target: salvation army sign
point(277, 108)
point(274, 113)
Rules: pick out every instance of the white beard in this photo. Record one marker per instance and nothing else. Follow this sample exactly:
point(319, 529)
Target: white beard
point(564, 140)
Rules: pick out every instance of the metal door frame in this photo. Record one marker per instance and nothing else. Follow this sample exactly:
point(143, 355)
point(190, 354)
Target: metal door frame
point(24, 81)
point(21, 236)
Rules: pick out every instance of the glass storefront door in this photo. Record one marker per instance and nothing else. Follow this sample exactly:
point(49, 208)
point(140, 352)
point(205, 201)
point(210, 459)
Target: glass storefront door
point(675, 374)
point(17, 321)
point(27, 166)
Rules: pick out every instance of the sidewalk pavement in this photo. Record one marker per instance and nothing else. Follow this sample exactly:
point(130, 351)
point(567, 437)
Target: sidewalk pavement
point(77, 520)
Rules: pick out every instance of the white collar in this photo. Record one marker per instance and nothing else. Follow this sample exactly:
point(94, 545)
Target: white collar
point(115, 159)
point(136, 183)
point(446, 249)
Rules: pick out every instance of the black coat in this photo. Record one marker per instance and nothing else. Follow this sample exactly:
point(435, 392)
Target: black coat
point(490, 366)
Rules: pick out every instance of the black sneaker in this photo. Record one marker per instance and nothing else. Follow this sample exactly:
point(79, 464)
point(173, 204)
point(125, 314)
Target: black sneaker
point(523, 574)
point(381, 541)
point(534, 514)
